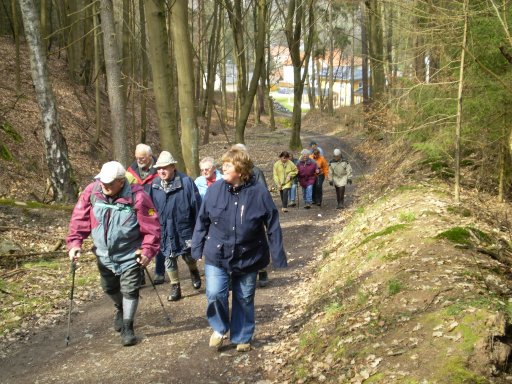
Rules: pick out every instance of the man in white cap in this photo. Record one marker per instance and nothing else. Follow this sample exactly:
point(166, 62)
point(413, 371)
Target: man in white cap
point(340, 174)
point(124, 227)
point(177, 201)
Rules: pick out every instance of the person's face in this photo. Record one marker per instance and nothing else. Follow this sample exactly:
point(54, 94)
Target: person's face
point(283, 159)
point(230, 175)
point(337, 158)
point(113, 188)
point(304, 157)
point(143, 159)
point(208, 170)
point(166, 173)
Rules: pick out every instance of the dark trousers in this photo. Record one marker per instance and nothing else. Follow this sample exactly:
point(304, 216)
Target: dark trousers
point(340, 194)
point(317, 189)
point(128, 283)
point(284, 197)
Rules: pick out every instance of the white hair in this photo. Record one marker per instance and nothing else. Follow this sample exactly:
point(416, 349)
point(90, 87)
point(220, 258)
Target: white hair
point(240, 146)
point(144, 148)
point(206, 160)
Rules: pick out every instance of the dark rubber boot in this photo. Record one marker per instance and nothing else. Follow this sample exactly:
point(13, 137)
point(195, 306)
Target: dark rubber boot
point(118, 319)
point(196, 278)
point(127, 335)
point(175, 294)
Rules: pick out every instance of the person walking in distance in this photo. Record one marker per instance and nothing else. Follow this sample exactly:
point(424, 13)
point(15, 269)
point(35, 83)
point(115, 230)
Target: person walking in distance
point(209, 175)
point(124, 227)
point(340, 174)
point(141, 172)
point(284, 171)
point(177, 201)
point(307, 171)
point(320, 177)
point(237, 231)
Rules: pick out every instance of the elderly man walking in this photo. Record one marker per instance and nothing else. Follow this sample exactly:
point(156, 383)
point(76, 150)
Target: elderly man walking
point(177, 201)
point(124, 227)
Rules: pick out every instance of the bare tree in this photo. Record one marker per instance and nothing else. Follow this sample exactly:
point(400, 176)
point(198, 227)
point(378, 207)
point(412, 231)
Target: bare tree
point(63, 185)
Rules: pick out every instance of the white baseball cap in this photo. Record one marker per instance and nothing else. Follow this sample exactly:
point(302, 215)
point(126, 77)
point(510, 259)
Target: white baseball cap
point(337, 152)
point(111, 171)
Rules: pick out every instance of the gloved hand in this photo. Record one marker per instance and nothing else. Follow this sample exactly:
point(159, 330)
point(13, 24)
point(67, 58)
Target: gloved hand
point(349, 181)
point(74, 253)
point(331, 183)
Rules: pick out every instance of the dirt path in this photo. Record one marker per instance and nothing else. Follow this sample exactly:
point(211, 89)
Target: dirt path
point(178, 352)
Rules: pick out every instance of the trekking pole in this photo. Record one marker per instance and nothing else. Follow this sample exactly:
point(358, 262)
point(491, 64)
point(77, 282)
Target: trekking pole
point(73, 269)
point(167, 317)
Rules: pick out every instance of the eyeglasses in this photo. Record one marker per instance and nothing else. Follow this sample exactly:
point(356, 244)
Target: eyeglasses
point(205, 169)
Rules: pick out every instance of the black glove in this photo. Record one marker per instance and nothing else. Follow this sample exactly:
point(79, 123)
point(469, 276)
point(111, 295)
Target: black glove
point(349, 181)
point(331, 183)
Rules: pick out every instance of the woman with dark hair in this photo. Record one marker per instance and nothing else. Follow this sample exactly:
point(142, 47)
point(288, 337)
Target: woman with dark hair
point(237, 230)
point(284, 171)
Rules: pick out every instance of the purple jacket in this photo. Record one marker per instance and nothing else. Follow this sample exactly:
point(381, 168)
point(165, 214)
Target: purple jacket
point(307, 172)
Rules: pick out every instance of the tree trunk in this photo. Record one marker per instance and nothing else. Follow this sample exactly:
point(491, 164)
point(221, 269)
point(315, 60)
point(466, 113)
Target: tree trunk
point(97, 72)
point(258, 65)
point(183, 50)
point(63, 186)
point(364, 52)
point(162, 78)
point(459, 105)
point(330, 97)
point(144, 74)
point(16, 31)
point(376, 50)
point(114, 83)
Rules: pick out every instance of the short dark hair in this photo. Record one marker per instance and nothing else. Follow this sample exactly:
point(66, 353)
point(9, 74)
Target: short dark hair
point(313, 143)
point(285, 154)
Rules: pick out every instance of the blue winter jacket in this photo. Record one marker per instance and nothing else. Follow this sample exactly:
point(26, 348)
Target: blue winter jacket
point(202, 185)
point(238, 228)
point(177, 211)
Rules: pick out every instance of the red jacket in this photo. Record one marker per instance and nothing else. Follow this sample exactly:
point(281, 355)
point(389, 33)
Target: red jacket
point(307, 172)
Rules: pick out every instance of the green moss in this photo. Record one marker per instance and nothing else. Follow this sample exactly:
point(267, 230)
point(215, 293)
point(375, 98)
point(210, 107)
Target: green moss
point(11, 132)
point(394, 286)
point(55, 265)
point(464, 212)
point(393, 256)
point(456, 235)
point(360, 210)
point(35, 204)
point(362, 297)
point(377, 378)
point(384, 232)
point(301, 372)
point(333, 309)
point(5, 153)
point(371, 256)
point(407, 217)
point(455, 371)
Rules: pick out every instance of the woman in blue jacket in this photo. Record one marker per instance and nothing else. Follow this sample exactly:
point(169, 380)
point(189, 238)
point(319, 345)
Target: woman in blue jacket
point(237, 230)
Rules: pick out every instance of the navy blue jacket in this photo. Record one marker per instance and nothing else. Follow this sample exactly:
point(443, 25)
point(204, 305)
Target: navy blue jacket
point(177, 211)
point(238, 229)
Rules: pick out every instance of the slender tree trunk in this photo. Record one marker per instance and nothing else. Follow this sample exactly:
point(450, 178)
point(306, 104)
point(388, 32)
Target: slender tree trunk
point(183, 50)
point(63, 186)
point(16, 30)
point(97, 73)
point(376, 49)
point(144, 74)
point(162, 77)
point(224, 100)
point(459, 105)
point(114, 83)
point(330, 95)
point(364, 51)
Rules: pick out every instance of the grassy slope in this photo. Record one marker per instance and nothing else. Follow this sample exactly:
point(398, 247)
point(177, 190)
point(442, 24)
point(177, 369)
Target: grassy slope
point(403, 295)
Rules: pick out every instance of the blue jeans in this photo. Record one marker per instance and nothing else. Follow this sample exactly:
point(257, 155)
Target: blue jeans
point(241, 326)
point(292, 193)
point(307, 194)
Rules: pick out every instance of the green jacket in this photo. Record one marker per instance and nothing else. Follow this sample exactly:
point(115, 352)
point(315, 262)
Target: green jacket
point(284, 174)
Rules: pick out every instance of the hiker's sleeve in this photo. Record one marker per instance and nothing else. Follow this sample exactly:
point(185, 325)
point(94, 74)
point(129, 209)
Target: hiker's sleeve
point(80, 225)
point(149, 225)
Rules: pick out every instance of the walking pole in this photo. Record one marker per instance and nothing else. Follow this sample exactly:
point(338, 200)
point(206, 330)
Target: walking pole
point(73, 269)
point(167, 317)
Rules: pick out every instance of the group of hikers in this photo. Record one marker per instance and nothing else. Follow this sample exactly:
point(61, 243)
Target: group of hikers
point(153, 211)
point(310, 171)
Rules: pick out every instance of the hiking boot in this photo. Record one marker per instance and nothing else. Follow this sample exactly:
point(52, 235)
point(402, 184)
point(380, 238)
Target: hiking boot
point(216, 340)
point(307, 206)
point(127, 334)
point(245, 347)
point(292, 204)
point(339, 206)
point(284, 209)
point(196, 279)
point(262, 279)
point(175, 294)
point(159, 279)
point(118, 319)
